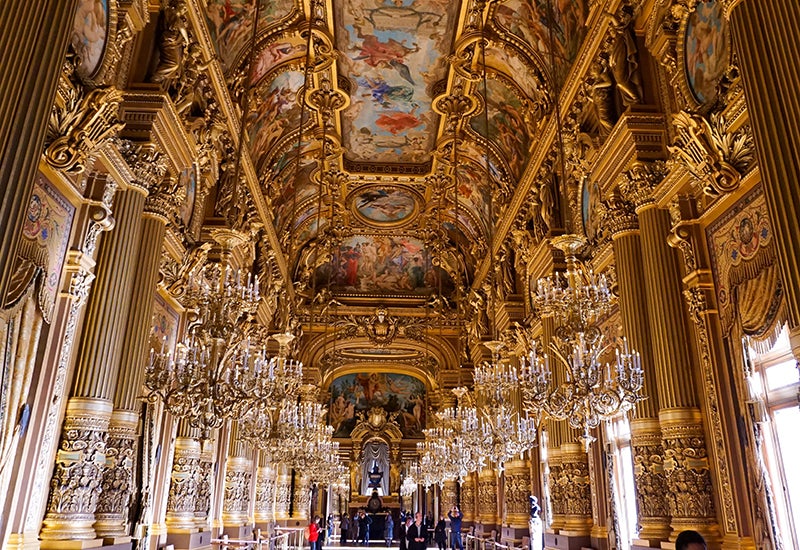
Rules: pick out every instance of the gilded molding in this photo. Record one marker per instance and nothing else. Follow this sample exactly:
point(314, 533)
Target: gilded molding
point(205, 482)
point(716, 157)
point(76, 483)
point(697, 302)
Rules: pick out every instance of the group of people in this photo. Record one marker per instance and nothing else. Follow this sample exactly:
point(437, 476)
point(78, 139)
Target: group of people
point(356, 529)
point(416, 533)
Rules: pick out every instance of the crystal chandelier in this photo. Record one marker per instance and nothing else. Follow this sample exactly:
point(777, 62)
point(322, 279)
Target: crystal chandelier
point(465, 446)
point(590, 390)
point(503, 431)
point(205, 380)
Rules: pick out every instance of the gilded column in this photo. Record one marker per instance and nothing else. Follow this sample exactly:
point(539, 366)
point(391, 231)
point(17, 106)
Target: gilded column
point(238, 476)
point(773, 112)
point(113, 508)
point(205, 483)
point(487, 499)
point(468, 498)
point(283, 493)
point(516, 489)
point(184, 481)
point(34, 41)
point(686, 466)
point(75, 487)
point(648, 453)
point(266, 478)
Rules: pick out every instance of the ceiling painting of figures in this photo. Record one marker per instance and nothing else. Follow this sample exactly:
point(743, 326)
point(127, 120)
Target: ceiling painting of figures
point(530, 20)
point(230, 23)
point(394, 393)
point(383, 264)
point(508, 128)
point(385, 205)
point(275, 114)
point(275, 52)
point(394, 53)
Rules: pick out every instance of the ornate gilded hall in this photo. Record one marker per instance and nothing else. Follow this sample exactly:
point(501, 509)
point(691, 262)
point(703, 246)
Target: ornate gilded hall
point(266, 260)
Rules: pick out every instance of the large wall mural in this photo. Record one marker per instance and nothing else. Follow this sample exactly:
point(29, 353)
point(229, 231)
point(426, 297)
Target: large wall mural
point(529, 20)
point(395, 393)
point(395, 51)
point(383, 264)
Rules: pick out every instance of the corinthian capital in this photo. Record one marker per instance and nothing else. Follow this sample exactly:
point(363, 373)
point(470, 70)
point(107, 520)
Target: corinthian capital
point(637, 183)
point(619, 215)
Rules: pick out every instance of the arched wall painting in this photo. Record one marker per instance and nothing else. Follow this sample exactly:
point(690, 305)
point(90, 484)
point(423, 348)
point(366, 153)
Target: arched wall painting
point(394, 393)
point(706, 50)
point(383, 264)
point(90, 34)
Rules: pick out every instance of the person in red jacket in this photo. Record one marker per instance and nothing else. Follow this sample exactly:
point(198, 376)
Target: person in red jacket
point(312, 532)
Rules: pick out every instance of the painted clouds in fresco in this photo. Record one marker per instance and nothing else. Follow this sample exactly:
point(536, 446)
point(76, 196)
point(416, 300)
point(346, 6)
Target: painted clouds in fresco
point(395, 51)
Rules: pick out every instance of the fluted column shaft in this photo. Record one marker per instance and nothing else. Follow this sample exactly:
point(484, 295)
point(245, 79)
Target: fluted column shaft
point(81, 457)
point(118, 483)
point(685, 462)
point(34, 41)
point(648, 453)
point(766, 39)
point(668, 329)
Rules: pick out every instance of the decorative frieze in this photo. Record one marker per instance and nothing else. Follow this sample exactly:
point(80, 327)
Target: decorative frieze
point(238, 476)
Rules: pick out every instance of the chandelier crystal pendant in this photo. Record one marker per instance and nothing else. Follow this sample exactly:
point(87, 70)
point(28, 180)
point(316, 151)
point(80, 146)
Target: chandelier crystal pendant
point(464, 427)
point(591, 390)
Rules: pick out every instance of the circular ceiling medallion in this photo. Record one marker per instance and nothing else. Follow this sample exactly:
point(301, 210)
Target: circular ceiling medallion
point(385, 205)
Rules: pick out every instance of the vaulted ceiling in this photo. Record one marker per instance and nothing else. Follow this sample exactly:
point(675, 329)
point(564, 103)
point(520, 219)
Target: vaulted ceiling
point(369, 124)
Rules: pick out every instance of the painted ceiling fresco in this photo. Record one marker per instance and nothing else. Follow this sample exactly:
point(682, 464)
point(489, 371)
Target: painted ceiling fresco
point(395, 393)
point(230, 23)
point(531, 21)
point(394, 53)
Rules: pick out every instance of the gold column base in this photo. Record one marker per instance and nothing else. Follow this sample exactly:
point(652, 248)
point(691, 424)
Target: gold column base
point(686, 467)
point(283, 494)
point(205, 480)
point(573, 491)
point(70, 544)
point(184, 480)
point(516, 489)
point(651, 482)
point(265, 495)
point(238, 475)
point(23, 541)
point(118, 483)
point(81, 457)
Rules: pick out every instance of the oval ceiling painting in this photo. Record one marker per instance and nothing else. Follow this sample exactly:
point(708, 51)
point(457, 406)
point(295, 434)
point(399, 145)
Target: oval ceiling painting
point(385, 205)
point(706, 51)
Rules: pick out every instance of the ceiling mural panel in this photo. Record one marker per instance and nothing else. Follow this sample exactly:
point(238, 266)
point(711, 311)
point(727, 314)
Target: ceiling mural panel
point(230, 23)
point(275, 115)
point(394, 393)
point(275, 52)
point(507, 60)
point(528, 20)
point(395, 52)
point(507, 126)
point(383, 264)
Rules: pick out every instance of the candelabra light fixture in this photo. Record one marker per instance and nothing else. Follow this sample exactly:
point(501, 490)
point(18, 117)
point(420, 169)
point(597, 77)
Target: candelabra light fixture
point(589, 390)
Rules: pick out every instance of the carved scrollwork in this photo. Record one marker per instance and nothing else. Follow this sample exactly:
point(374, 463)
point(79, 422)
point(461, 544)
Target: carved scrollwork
point(118, 482)
point(716, 157)
point(637, 183)
point(80, 123)
point(690, 493)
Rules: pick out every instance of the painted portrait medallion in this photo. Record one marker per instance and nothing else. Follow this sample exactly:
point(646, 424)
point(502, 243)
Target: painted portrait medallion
point(89, 35)
point(385, 205)
point(706, 51)
point(188, 182)
point(590, 204)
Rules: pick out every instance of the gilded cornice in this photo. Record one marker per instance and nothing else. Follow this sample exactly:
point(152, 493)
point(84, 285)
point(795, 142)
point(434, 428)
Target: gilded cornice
point(638, 136)
point(150, 116)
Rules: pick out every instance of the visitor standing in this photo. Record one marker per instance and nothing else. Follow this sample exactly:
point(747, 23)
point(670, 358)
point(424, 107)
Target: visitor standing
point(388, 529)
point(312, 534)
point(417, 533)
point(440, 533)
point(345, 528)
point(364, 521)
point(455, 516)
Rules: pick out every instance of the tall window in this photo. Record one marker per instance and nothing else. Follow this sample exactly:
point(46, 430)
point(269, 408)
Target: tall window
point(618, 435)
point(774, 382)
